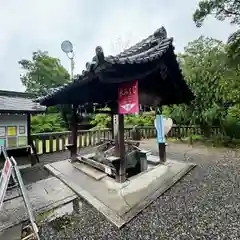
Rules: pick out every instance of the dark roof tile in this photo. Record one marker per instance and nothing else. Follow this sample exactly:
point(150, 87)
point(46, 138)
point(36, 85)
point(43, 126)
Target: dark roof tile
point(15, 101)
point(149, 49)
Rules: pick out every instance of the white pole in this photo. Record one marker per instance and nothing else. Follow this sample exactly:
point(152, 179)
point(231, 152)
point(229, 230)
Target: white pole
point(72, 67)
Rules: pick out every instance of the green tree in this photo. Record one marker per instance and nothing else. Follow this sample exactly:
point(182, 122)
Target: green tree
point(42, 72)
point(233, 49)
point(221, 9)
point(203, 64)
point(214, 82)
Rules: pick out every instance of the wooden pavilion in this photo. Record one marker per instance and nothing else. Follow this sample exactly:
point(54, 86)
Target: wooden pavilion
point(152, 64)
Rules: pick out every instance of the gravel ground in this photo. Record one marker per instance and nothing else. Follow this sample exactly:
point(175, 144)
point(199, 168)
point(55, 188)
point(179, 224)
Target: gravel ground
point(203, 205)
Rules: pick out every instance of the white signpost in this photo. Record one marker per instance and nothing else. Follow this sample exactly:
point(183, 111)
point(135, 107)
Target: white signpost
point(11, 169)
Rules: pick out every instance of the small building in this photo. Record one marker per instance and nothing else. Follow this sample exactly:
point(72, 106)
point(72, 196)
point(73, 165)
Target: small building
point(15, 111)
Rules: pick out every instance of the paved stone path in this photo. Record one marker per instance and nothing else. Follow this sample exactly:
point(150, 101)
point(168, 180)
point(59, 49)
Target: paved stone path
point(44, 195)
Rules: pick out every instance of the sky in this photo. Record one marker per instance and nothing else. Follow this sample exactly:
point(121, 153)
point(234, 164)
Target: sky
point(30, 25)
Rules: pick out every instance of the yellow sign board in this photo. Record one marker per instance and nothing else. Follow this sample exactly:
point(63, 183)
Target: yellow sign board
point(22, 141)
point(12, 131)
point(12, 142)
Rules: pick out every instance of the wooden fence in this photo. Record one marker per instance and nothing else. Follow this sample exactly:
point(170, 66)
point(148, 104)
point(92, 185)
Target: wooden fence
point(56, 141)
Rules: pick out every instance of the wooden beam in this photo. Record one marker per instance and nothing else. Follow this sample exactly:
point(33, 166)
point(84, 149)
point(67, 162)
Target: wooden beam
point(100, 166)
point(112, 125)
point(28, 128)
point(162, 152)
point(104, 112)
point(33, 157)
point(74, 131)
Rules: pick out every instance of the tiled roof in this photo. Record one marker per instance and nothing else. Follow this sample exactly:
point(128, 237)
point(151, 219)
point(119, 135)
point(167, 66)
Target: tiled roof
point(149, 49)
point(18, 102)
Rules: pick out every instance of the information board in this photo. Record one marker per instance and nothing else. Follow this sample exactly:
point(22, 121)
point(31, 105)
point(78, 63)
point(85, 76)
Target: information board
point(12, 142)
point(13, 136)
point(2, 142)
point(22, 130)
point(12, 131)
point(2, 131)
point(2, 145)
point(22, 141)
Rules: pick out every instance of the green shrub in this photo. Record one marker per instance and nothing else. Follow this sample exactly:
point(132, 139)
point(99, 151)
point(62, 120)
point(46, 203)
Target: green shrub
point(47, 123)
point(143, 119)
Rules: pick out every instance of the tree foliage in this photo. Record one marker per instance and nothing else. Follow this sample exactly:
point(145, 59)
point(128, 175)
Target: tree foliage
point(143, 119)
point(101, 120)
point(47, 123)
point(203, 65)
point(214, 82)
point(233, 49)
point(221, 9)
point(42, 72)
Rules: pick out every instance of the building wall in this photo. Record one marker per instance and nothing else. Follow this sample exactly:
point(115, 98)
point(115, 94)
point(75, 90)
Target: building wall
point(12, 120)
point(15, 120)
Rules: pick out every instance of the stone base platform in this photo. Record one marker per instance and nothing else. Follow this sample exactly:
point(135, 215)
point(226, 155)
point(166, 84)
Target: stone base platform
point(119, 202)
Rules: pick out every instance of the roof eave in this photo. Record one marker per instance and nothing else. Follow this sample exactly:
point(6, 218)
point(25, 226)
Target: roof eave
point(22, 111)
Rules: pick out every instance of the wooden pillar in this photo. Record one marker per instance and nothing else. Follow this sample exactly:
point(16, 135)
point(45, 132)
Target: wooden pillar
point(28, 128)
point(162, 152)
point(112, 125)
point(29, 140)
point(121, 145)
point(32, 153)
point(74, 130)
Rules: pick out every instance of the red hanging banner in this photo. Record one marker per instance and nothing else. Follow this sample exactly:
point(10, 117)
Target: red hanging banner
point(128, 98)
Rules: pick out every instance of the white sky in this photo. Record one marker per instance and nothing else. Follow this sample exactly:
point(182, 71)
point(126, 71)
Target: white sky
point(31, 25)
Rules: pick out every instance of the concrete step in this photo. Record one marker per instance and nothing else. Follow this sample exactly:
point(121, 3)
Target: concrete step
point(152, 159)
point(89, 171)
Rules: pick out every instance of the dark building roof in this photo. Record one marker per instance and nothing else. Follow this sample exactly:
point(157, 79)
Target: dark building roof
point(16, 102)
point(152, 62)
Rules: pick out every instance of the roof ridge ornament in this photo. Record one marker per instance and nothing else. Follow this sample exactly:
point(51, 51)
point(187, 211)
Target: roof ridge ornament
point(160, 33)
point(99, 55)
point(89, 66)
